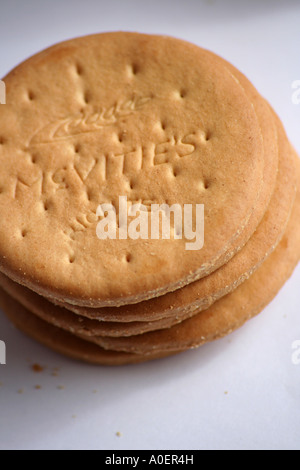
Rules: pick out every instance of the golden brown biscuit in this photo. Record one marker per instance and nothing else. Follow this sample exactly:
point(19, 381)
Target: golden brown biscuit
point(262, 243)
point(159, 308)
point(203, 293)
point(117, 114)
point(230, 312)
point(68, 321)
point(225, 316)
point(169, 137)
point(64, 342)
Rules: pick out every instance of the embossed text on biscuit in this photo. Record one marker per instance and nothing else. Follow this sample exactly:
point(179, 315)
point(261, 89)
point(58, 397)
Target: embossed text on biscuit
point(86, 122)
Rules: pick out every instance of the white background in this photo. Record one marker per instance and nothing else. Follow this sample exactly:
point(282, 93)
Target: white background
point(242, 392)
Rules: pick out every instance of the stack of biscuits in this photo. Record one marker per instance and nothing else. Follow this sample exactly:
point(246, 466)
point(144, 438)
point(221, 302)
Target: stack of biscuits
point(156, 122)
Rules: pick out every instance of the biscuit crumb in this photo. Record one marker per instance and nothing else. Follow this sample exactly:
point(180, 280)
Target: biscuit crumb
point(118, 434)
point(55, 371)
point(60, 387)
point(38, 387)
point(37, 368)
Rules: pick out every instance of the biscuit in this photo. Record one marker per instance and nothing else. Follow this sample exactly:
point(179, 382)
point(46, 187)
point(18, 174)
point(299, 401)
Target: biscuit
point(203, 293)
point(230, 312)
point(63, 342)
point(262, 243)
point(117, 114)
point(225, 316)
point(102, 116)
point(156, 309)
point(68, 321)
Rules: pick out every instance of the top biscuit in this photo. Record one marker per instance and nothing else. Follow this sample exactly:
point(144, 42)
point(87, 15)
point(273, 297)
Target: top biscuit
point(151, 118)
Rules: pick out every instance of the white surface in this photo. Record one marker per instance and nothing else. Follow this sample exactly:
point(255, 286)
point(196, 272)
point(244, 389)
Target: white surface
point(181, 402)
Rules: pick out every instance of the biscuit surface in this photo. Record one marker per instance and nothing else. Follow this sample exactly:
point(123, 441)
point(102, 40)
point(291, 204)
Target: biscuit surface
point(64, 342)
point(117, 114)
point(204, 292)
point(230, 312)
point(195, 297)
point(226, 315)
